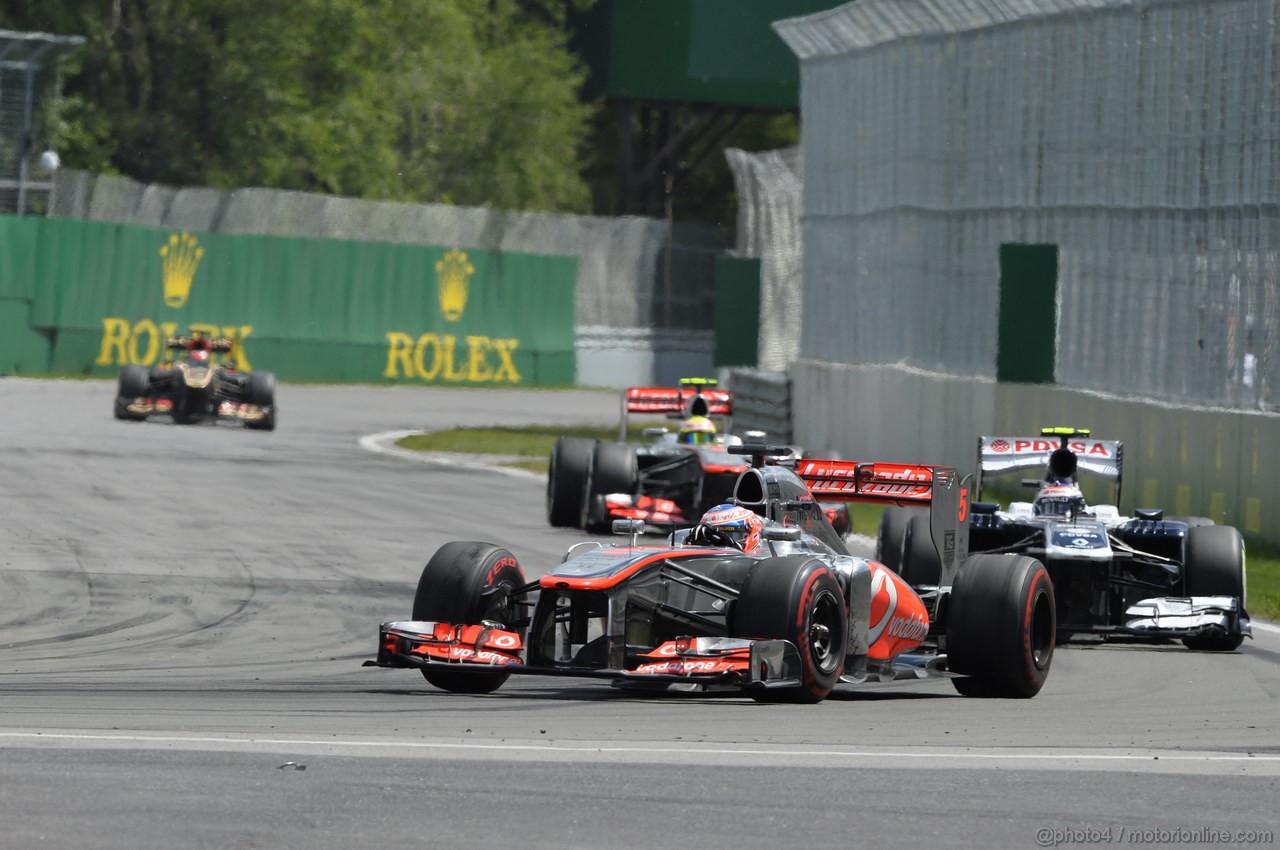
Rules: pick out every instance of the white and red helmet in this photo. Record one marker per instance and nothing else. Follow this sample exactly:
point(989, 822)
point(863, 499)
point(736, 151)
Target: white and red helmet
point(740, 526)
point(1062, 500)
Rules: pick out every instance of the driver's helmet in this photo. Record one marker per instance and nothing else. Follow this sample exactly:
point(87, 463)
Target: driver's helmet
point(732, 525)
point(697, 431)
point(1061, 500)
point(200, 356)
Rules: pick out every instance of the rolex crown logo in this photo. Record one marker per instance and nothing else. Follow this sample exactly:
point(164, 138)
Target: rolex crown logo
point(180, 259)
point(453, 274)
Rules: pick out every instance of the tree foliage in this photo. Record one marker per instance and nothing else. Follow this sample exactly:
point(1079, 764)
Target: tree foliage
point(454, 101)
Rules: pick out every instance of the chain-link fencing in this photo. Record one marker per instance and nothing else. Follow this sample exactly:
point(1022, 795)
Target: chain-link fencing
point(1142, 138)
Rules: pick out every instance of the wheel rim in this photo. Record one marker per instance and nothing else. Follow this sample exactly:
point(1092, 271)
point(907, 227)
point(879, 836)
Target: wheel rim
point(1042, 631)
point(501, 607)
point(825, 631)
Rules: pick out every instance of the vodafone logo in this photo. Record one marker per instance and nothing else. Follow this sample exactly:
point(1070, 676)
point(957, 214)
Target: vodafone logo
point(882, 583)
point(912, 629)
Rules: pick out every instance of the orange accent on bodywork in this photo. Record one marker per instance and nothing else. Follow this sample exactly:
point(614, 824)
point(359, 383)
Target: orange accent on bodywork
point(474, 644)
point(899, 619)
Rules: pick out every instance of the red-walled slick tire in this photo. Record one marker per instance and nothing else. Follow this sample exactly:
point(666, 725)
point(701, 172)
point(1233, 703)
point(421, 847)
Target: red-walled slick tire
point(1001, 625)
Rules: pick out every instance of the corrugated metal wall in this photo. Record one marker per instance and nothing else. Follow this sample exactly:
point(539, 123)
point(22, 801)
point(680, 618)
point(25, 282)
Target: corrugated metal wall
point(1143, 138)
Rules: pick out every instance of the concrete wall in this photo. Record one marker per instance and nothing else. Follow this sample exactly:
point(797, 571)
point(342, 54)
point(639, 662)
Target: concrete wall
point(632, 357)
point(1214, 462)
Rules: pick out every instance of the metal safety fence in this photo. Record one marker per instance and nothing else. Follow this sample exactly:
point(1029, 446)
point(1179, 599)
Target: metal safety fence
point(1140, 137)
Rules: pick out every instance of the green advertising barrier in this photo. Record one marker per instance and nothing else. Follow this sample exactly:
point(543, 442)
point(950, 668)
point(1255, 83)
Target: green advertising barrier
point(22, 348)
point(307, 309)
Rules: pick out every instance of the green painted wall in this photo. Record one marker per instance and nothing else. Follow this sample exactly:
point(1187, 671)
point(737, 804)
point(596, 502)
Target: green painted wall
point(1026, 346)
point(737, 286)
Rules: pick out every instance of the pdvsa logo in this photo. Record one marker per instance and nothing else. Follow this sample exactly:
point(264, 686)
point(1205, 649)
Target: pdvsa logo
point(180, 260)
point(453, 278)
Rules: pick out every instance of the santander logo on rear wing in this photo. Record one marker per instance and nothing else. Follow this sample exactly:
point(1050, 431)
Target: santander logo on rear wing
point(939, 487)
point(873, 482)
point(669, 401)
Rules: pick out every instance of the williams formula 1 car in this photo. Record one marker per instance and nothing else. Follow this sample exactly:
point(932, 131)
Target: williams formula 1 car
point(665, 482)
point(785, 621)
point(1145, 575)
point(195, 386)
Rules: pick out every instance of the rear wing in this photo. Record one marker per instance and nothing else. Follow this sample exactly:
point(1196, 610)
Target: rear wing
point(694, 397)
point(938, 487)
point(212, 343)
point(1101, 459)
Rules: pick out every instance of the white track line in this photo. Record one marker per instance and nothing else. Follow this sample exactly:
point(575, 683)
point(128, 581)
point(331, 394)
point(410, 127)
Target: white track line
point(384, 443)
point(730, 750)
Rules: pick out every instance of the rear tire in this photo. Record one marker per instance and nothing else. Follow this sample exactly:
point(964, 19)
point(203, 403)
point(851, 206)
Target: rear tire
point(920, 562)
point(1001, 624)
point(613, 470)
point(796, 598)
point(892, 535)
point(567, 481)
point(1193, 521)
point(462, 584)
point(1213, 565)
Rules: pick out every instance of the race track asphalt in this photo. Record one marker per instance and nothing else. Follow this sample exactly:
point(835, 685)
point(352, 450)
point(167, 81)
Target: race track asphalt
point(184, 612)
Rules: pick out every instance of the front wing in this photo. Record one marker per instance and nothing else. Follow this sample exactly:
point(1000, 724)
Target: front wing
point(229, 411)
point(1186, 616)
point(484, 647)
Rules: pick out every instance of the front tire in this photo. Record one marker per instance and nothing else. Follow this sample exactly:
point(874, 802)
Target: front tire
point(261, 390)
point(1001, 624)
point(462, 584)
point(613, 470)
point(1213, 565)
point(131, 385)
point(567, 481)
point(796, 598)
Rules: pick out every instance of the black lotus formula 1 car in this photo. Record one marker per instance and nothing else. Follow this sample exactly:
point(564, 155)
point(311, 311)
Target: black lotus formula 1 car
point(195, 385)
point(785, 620)
point(1142, 576)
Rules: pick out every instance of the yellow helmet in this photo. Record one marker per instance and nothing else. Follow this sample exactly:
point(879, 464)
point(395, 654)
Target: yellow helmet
point(697, 431)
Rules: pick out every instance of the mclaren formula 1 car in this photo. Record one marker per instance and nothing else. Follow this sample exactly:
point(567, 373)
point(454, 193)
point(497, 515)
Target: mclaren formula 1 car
point(1142, 576)
point(665, 482)
point(785, 621)
point(197, 385)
